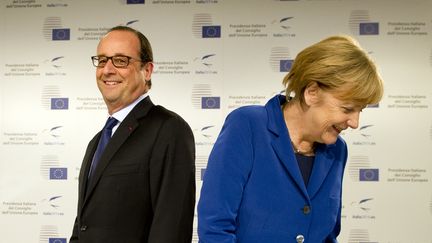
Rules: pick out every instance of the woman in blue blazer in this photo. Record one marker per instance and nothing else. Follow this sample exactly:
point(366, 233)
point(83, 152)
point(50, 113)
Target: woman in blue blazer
point(275, 172)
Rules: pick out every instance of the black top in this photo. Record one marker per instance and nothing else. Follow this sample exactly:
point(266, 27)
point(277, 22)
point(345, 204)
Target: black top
point(305, 164)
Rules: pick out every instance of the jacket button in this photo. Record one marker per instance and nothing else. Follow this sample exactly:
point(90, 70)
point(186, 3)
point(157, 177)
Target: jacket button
point(300, 238)
point(84, 228)
point(306, 209)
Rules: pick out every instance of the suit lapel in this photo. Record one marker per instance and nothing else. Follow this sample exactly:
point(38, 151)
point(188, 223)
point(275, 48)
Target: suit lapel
point(322, 165)
point(86, 167)
point(281, 142)
point(126, 128)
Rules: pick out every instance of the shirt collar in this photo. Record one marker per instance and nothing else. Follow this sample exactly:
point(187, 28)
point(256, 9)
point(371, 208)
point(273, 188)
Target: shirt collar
point(121, 114)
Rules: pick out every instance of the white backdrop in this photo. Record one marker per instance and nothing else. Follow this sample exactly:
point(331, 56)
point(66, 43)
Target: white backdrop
point(50, 106)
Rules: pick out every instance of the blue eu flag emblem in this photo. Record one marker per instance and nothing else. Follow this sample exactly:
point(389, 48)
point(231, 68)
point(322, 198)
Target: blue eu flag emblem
point(285, 65)
point(210, 102)
point(135, 2)
point(59, 103)
point(58, 173)
point(369, 28)
point(369, 174)
point(213, 31)
point(60, 34)
point(57, 240)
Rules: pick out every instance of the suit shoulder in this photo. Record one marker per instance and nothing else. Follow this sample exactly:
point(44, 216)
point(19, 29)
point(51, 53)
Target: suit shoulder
point(162, 114)
point(250, 112)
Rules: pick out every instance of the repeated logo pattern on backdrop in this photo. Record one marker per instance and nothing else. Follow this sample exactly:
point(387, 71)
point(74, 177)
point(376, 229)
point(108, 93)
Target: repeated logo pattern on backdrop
point(211, 57)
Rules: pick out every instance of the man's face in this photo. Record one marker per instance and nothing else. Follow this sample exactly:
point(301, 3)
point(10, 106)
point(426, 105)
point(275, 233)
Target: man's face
point(121, 86)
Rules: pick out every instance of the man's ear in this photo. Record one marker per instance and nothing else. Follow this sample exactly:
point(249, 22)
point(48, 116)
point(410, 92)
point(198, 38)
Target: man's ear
point(311, 93)
point(148, 69)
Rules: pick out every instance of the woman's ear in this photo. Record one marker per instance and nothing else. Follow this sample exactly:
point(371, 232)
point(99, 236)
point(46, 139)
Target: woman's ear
point(311, 93)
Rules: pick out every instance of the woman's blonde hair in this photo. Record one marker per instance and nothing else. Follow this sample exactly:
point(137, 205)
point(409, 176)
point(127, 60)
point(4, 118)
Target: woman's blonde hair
point(338, 65)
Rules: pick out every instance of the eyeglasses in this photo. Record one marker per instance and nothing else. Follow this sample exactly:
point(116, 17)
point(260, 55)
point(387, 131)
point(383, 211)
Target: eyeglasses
point(118, 61)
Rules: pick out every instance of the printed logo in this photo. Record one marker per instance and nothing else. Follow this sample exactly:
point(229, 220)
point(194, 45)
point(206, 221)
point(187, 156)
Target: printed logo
point(206, 60)
point(369, 28)
point(52, 201)
point(209, 62)
point(213, 31)
point(201, 165)
point(58, 174)
point(53, 30)
point(210, 102)
point(205, 130)
point(55, 62)
point(356, 18)
point(52, 136)
point(199, 91)
point(49, 233)
point(57, 240)
point(285, 65)
point(60, 34)
point(363, 130)
point(59, 103)
point(369, 174)
point(135, 2)
point(359, 236)
point(131, 22)
point(363, 204)
point(48, 162)
point(284, 23)
point(49, 92)
point(280, 60)
point(54, 131)
point(203, 27)
point(355, 164)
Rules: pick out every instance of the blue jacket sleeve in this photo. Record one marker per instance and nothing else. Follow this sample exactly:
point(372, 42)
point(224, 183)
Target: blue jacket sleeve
point(226, 175)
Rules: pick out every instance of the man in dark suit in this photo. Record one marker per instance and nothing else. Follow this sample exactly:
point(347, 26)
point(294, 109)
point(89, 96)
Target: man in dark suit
point(141, 187)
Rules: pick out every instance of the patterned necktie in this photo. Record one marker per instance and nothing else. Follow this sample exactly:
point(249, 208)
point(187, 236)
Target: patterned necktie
point(103, 141)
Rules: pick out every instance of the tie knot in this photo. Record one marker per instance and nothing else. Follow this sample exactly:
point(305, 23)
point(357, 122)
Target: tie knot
point(111, 122)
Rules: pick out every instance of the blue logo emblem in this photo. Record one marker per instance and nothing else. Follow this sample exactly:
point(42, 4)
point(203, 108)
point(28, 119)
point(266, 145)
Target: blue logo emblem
point(369, 28)
point(58, 173)
point(135, 2)
point(369, 174)
point(59, 103)
point(57, 240)
point(213, 31)
point(210, 102)
point(60, 34)
point(285, 65)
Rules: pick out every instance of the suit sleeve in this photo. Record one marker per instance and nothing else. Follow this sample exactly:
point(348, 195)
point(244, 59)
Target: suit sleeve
point(172, 183)
point(226, 175)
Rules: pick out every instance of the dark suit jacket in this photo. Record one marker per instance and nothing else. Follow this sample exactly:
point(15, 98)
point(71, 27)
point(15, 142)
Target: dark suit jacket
point(143, 189)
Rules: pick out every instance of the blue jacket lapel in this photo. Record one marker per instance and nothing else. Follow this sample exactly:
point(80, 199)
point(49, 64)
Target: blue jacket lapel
point(323, 162)
point(282, 143)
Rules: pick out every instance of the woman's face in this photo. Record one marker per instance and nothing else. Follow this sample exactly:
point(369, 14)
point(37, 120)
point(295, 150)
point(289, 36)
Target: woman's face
point(329, 116)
